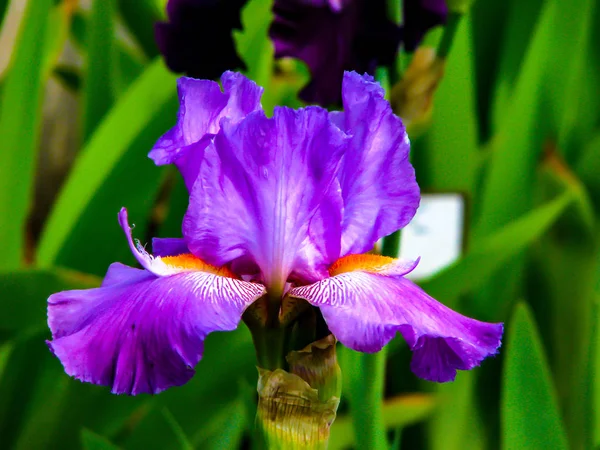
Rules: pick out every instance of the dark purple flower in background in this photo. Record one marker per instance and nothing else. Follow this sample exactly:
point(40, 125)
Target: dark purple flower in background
point(197, 40)
point(419, 17)
point(331, 36)
point(287, 207)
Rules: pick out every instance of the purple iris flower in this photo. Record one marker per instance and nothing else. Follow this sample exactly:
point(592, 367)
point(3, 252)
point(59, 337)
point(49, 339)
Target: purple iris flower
point(332, 36)
point(282, 208)
point(197, 39)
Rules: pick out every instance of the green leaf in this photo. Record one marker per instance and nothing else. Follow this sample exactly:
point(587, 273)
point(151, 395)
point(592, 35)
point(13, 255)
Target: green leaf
point(140, 17)
point(20, 116)
point(457, 422)
point(129, 63)
point(111, 172)
point(588, 168)
point(24, 363)
point(24, 294)
point(101, 65)
point(451, 141)
point(529, 409)
point(93, 441)
point(521, 26)
point(398, 412)
point(363, 378)
point(255, 47)
point(478, 265)
point(507, 190)
point(184, 442)
point(3, 9)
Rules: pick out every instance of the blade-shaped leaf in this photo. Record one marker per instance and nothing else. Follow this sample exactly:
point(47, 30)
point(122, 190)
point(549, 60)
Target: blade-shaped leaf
point(530, 415)
point(483, 261)
point(140, 17)
point(93, 441)
point(397, 412)
point(99, 176)
point(101, 65)
point(24, 294)
point(19, 127)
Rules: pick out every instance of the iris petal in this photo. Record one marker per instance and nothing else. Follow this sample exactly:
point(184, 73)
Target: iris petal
point(139, 333)
point(365, 311)
point(378, 182)
point(202, 105)
point(263, 198)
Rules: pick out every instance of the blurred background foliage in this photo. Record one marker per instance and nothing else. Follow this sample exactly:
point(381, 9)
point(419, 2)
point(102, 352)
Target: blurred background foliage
point(515, 127)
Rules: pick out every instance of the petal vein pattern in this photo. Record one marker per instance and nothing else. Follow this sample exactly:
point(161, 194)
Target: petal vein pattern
point(365, 311)
point(139, 333)
point(267, 197)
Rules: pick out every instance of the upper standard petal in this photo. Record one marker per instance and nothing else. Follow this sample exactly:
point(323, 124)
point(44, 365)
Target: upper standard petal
point(140, 333)
point(378, 183)
point(202, 105)
point(270, 193)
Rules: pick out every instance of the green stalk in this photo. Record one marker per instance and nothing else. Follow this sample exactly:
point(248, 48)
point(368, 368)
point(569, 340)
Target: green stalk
point(367, 405)
point(368, 384)
point(449, 32)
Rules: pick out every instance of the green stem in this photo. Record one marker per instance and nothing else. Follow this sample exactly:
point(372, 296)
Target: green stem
point(449, 32)
point(367, 401)
point(368, 387)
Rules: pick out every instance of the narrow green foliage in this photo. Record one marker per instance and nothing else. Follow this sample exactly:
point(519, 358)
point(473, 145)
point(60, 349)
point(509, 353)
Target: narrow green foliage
point(255, 47)
point(93, 441)
point(530, 415)
point(140, 17)
point(398, 412)
point(99, 159)
point(101, 66)
point(478, 265)
point(24, 294)
point(451, 142)
point(20, 113)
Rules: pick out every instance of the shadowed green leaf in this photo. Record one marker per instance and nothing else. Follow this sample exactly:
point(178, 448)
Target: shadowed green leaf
point(93, 441)
point(3, 8)
point(24, 294)
point(255, 47)
point(517, 146)
point(479, 264)
point(397, 412)
point(449, 161)
point(99, 86)
point(530, 415)
point(108, 175)
point(19, 128)
point(140, 17)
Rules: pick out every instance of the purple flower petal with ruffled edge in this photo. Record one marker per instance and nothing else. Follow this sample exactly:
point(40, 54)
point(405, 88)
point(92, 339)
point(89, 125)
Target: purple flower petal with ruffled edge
point(141, 332)
point(198, 39)
point(365, 309)
point(202, 105)
point(333, 36)
point(258, 200)
point(378, 183)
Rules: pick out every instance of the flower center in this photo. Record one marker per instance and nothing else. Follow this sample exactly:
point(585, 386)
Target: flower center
point(188, 262)
point(366, 261)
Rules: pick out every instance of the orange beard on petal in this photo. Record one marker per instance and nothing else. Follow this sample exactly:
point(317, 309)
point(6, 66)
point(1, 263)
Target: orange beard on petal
point(187, 261)
point(367, 262)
